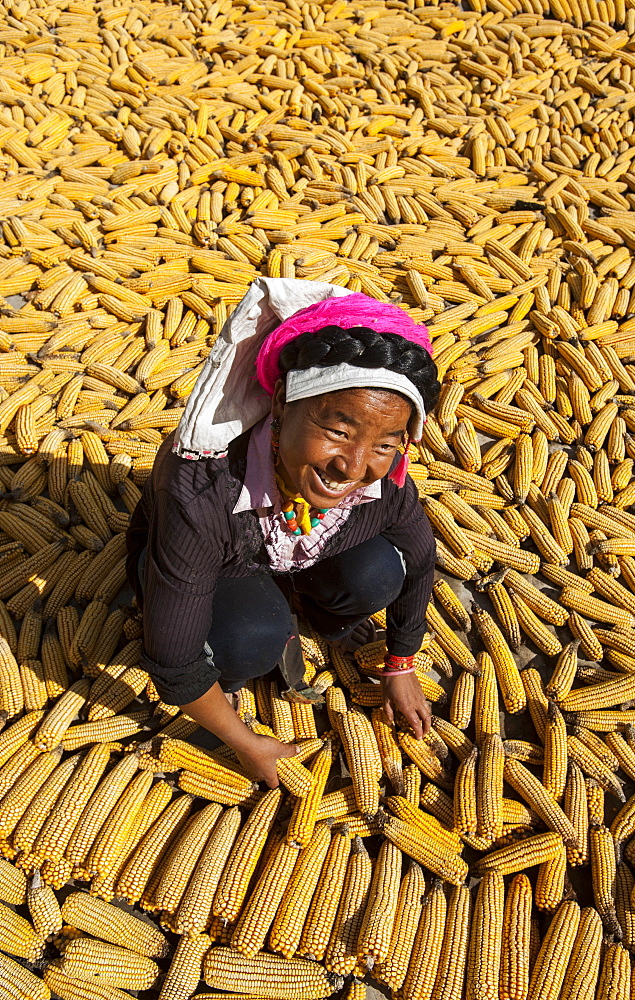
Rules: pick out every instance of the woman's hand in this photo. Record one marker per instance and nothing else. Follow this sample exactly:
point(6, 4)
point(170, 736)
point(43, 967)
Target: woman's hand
point(257, 754)
point(260, 755)
point(404, 695)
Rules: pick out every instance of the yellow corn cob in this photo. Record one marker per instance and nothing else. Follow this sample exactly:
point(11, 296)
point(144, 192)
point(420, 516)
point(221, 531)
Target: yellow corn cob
point(534, 628)
point(451, 604)
point(555, 951)
point(603, 874)
point(622, 750)
point(597, 610)
point(427, 761)
point(550, 882)
point(510, 684)
point(508, 555)
point(44, 909)
point(56, 831)
point(153, 805)
point(524, 854)
point(17, 800)
point(613, 591)
point(271, 975)
point(186, 967)
point(244, 856)
point(489, 788)
point(484, 951)
point(575, 807)
point(410, 839)
point(317, 928)
point(357, 826)
point(13, 884)
point(108, 730)
point(514, 967)
point(524, 750)
point(466, 445)
point(291, 771)
point(624, 883)
point(341, 953)
point(140, 865)
point(465, 799)
point(175, 754)
point(294, 906)
point(540, 800)
point(39, 809)
point(257, 915)
point(337, 803)
point(426, 950)
point(535, 599)
point(305, 810)
point(393, 970)
point(16, 766)
point(595, 801)
point(554, 775)
point(597, 746)
point(11, 693)
point(462, 703)
point(20, 983)
point(597, 696)
point(118, 694)
point(561, 680)
point(486, 711)
point(110, 923)
point(364, 761)
point(180, 862)
point(18, 937)
point(92, 960)
point(59, 718)
point(376, 930)
point(615, 975)
point(506, 613)
point(584, 964)
point(436, 833)
point(448, 641)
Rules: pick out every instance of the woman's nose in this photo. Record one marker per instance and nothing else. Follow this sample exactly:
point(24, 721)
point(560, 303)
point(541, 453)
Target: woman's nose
point(353, 463)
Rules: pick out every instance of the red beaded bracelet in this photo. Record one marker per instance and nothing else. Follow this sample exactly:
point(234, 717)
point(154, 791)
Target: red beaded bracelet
point(397, 665)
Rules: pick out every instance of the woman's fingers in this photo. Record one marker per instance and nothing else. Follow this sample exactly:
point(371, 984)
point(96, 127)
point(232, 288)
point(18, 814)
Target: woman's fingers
point(388, 712)
point(416, 724)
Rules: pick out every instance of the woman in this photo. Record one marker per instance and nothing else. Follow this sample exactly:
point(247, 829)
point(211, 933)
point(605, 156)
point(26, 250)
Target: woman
point(284, 484)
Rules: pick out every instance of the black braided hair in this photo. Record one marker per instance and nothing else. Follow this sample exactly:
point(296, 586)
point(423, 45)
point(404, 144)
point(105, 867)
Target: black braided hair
point(364, 348)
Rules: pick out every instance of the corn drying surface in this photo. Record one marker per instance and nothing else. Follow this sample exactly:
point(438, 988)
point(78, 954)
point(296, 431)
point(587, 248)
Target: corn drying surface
point(472, 162)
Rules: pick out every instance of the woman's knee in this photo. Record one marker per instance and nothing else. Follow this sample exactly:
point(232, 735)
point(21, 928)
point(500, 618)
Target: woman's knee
point(251, 626)
point(361, 580)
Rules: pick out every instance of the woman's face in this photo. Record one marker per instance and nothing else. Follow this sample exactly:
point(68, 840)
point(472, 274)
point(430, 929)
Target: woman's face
point(332, 444)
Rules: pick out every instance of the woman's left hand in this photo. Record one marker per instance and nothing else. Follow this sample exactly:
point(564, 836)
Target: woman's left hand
point(404, 695)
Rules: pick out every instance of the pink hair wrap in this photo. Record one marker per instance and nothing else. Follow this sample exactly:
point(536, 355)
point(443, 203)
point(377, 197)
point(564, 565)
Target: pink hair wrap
point(346, 311)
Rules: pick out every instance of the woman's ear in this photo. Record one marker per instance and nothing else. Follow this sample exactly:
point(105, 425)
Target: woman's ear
point(278, 400)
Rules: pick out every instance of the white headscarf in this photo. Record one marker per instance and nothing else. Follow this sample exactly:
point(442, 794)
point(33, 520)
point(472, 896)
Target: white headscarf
point(226, 399)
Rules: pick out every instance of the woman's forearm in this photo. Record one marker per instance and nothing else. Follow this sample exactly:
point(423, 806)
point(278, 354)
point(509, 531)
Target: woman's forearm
point(214, 712)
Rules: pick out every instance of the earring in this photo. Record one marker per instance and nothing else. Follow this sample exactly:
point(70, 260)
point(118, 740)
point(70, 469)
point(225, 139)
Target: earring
point(275, 437)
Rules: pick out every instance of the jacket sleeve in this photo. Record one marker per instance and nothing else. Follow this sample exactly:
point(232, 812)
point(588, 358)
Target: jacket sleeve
point(412, 535)
point(179, 577)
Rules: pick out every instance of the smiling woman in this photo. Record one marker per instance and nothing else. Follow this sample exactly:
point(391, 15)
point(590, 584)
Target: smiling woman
point(288, 490)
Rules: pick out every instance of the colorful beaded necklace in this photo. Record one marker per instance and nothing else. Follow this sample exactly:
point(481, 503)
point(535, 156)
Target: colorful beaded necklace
point(297, 511)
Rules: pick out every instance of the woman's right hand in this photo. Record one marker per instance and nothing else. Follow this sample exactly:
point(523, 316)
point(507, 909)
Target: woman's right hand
point(260, 755)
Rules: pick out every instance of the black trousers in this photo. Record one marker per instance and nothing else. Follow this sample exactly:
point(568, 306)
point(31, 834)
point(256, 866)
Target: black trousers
point(251, 617)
